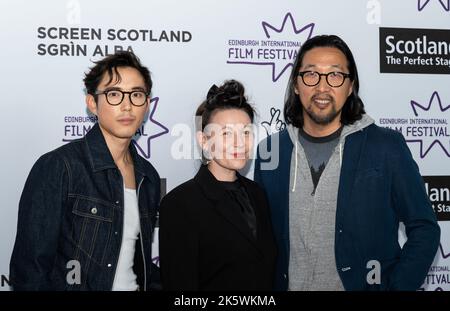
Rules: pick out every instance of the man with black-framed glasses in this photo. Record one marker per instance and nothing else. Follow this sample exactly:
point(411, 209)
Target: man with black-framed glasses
point(342, 185)
point(88, 209)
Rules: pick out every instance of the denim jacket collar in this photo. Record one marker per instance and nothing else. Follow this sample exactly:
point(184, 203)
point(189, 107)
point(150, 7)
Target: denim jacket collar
point(100, 157)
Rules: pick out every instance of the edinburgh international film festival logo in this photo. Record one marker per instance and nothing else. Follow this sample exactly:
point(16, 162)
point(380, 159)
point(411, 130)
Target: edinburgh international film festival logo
point(427, 127)
point(77, 126)
point(438, 276)
point(276, 48)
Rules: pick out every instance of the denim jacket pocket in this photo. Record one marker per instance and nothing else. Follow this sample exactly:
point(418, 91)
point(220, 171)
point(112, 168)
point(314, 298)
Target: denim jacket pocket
point(92, 208)
point(91, 230)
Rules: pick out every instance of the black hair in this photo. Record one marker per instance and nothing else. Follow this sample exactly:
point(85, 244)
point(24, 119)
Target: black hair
point(109, 65)
point(353, 108)
point(230, 95)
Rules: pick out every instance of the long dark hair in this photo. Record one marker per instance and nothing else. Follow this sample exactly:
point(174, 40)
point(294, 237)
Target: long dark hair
point(353, 108)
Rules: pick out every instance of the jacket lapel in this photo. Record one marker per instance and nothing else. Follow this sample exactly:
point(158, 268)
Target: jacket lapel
point(222, 203)
point(354, 144)
point(257, 204)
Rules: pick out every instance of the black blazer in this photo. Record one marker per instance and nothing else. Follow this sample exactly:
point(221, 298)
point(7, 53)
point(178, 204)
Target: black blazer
point(206, 245)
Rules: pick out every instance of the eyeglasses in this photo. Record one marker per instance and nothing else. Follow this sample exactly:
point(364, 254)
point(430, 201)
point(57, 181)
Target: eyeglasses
point(115, 97)
point(334, 78)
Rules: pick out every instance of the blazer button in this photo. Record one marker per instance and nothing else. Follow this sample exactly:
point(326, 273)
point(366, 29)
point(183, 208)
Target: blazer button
point(94, 210)
point(285, 276)
point(109, 265)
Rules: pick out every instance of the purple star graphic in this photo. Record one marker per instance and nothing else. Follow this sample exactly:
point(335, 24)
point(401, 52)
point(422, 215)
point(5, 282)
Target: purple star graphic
point(434, 96)
point(164, 130)
point(444, 256)
point(291, 18)
point(441, 249)
point(414, 105)
point(266, 27)
point(422, 3)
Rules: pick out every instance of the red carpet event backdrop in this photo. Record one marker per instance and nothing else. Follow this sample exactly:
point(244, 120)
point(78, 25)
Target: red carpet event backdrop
point(402, 50)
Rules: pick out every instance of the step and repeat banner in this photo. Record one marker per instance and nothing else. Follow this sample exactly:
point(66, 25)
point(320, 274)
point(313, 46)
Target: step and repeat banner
point(402, 49)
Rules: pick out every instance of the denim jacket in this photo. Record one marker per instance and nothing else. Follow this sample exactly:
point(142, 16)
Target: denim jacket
point(70, 221)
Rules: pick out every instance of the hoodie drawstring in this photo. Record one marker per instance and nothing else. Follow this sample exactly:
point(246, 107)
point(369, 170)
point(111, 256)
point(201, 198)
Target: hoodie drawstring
point(295, 170)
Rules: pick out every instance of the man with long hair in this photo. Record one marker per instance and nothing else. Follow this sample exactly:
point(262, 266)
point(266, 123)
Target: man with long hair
point(342, 185)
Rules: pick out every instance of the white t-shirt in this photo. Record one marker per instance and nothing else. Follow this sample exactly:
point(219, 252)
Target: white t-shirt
point(125, 278)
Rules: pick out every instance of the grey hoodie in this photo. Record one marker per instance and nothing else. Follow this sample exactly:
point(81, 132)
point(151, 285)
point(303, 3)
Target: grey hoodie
point(312, 264)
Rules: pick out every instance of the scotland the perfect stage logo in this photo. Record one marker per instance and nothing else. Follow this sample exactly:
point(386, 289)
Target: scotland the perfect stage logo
point(411, 50)
point(276, 48)
point(438, 190)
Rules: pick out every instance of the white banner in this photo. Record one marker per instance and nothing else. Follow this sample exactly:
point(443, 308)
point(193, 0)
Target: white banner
point(402, 49)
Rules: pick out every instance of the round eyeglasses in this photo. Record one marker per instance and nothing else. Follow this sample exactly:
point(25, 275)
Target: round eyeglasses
point(115, 97)
point(334, 78)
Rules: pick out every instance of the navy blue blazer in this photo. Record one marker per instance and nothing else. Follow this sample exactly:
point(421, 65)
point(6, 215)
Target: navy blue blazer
point(380, 186)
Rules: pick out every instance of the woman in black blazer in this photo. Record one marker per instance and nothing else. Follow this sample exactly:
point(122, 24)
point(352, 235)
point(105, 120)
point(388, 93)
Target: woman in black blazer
point(215, 230)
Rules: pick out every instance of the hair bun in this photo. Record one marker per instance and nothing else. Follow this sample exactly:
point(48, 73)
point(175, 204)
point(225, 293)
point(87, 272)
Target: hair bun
point(231, 91)
point(213, 90)
point(230, 95)
point(233, 88)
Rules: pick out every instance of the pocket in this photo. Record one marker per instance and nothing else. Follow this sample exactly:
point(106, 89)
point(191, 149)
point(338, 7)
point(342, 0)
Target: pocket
point(91, 208)
point(91, 230)
point(372, 172)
